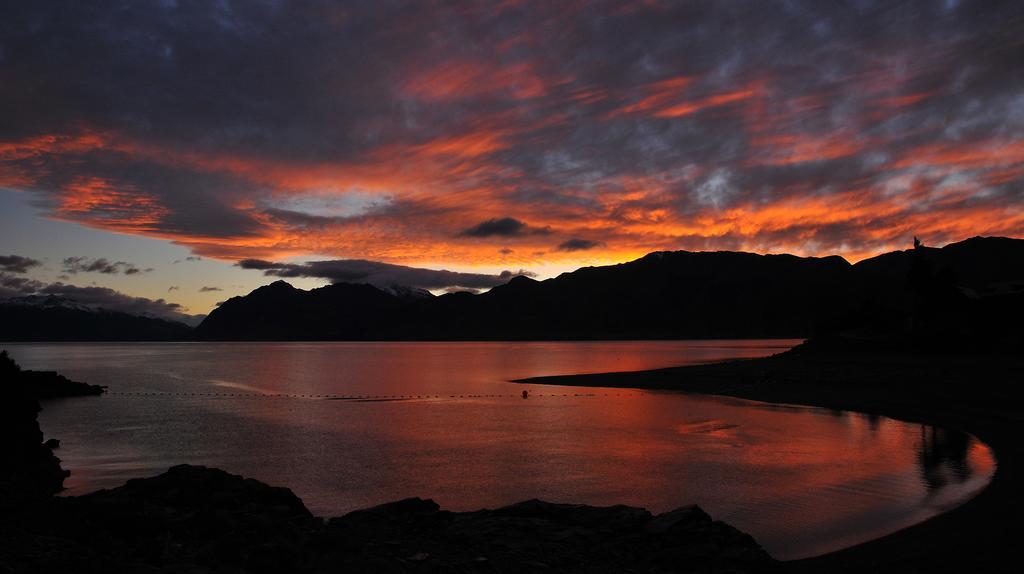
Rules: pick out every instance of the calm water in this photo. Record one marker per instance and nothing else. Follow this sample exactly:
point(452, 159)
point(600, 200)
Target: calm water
point(350, 425)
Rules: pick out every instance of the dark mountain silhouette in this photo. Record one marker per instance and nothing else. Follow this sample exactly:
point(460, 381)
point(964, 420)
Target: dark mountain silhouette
point(36, 318)
point(965, 295)
point(977, 262)
point(970, 289)
point(662, 295)
point(280, 311)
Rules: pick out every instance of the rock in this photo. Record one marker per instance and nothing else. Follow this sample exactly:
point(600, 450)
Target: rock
point(197, 519)
point(535, 536)
point(50, 385)
point(684, 517)
point(28, 469)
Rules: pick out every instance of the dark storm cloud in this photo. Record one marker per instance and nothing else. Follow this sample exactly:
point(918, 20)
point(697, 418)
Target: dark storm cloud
point(503, 227)
point(377, 273)
point(578, 245)
point(17, 263)
point(74, 265)
point(185, 120)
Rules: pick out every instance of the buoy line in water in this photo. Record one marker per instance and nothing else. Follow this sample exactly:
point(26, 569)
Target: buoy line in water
point(364, 398)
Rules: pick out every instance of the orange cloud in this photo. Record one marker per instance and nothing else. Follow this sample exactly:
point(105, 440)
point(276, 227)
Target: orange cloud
point(463, 79)
point(971, 155)
point(659, 95)
point(101, 204)
point(800, 148)
point(457, 178)
point(687, 108)
point(903, 100)
point(666, 99)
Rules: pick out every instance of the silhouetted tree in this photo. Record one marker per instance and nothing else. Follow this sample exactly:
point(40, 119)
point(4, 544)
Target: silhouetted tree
point(936, 301)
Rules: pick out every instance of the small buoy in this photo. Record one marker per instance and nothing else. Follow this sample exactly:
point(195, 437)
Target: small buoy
point(526, 394)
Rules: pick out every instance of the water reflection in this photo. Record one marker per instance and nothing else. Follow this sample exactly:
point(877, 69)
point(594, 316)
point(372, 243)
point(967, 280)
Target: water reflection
point(801, 480)
point(943, 456)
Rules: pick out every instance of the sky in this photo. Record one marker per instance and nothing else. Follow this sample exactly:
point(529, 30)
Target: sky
point(183, 152)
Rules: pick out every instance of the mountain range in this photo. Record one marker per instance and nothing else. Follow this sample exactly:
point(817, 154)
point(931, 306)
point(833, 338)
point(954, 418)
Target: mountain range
point(54, 318)
point(663, 295)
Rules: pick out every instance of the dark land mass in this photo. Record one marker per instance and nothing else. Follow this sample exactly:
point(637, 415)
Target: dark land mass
point(664, 295)
point(197, 519)
point(36, 318)
point(978, 393)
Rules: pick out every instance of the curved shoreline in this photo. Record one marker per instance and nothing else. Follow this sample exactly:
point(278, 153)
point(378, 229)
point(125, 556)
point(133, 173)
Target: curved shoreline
point(923, 421)
point(962, 392)
point(974, 536)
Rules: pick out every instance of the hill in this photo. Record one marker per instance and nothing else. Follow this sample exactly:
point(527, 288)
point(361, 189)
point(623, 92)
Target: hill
point(36, 318)
point(663, 295)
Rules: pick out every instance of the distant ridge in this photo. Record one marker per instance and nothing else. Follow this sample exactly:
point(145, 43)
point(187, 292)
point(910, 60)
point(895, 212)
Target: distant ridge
point(53, 318)
point(663, 295)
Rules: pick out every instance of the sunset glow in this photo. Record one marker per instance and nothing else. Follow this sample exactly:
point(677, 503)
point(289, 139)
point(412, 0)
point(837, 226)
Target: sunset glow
point(605, 131)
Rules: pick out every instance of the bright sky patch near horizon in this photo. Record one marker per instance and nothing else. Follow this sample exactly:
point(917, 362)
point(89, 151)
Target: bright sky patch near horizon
point(179, 150)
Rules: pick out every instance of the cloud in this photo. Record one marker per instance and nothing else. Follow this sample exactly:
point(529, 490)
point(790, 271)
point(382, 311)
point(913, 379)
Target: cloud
point(813, 127)
point(377, 273)
point(461, 290)
point(97, 297)
point(74, 265)
point(17, 263)
point(206, 289)
point(503, 227)
point(189, 258)
point(17, 285)
point(506, 274)
point(172, 288)
point(106, 298)
point(578, 245)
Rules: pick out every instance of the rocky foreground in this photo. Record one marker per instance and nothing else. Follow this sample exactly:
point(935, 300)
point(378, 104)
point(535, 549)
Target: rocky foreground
point(197, 519)
point(28, 468)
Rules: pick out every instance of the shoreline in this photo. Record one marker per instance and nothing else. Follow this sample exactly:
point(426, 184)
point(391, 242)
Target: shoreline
point(977, 535)
point(926, 389)
point(202, 519)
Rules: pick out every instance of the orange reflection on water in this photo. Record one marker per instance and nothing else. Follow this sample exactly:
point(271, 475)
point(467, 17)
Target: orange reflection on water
point(351, 425)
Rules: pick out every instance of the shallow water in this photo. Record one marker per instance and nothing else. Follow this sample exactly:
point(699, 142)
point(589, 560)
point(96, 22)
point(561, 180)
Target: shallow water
point(350, 425)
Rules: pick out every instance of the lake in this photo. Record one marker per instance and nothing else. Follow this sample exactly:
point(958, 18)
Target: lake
point(351, 425)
